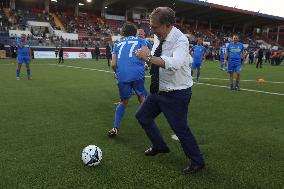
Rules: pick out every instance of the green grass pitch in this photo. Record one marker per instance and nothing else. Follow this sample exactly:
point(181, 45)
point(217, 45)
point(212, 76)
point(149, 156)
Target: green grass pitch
point(45, 123)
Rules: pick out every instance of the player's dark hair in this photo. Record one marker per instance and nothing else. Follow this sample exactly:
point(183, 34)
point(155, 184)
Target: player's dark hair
point(128, 29)
point(165, 15)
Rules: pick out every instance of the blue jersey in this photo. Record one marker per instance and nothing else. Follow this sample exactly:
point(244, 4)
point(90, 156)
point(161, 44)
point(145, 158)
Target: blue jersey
point(25, 50)
point(149, 45)
point(235, 51)
point(129, 67)
point(199, 52)
point(222, 53)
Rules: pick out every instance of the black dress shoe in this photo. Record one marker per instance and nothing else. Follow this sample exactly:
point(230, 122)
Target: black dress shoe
point(191, 169)
point(152, 151)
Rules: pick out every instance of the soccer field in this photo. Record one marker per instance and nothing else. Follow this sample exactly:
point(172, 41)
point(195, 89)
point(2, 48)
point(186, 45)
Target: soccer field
point(46, 122)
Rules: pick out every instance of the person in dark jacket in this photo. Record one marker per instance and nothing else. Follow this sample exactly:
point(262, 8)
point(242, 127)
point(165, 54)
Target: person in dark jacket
point(259, 58)
point(60, 60)
point(97, 52)
point(108, 54)
point(267, 56)
point(251, 57)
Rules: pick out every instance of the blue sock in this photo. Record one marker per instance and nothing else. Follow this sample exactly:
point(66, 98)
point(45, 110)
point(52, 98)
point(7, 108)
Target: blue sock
point(237, 83)
point(119, 113)
point(18, 72)
point(29, 72)
point(197, 75)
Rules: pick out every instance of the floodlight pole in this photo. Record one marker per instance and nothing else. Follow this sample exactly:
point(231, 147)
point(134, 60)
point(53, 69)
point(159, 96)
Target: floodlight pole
point(46, 5)
point(76, 13)
point(278, 31)
point(13, 4)
point(181, 21)
point(245, 26)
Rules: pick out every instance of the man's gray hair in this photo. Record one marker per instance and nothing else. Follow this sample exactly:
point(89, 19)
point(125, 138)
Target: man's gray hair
point(165, 15)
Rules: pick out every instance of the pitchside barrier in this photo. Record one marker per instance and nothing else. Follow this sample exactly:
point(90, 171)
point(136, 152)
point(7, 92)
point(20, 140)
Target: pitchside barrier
point(66, 55)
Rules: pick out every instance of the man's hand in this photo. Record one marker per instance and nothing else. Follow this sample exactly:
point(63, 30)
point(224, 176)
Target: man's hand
point(143, 53)
point(146, 66)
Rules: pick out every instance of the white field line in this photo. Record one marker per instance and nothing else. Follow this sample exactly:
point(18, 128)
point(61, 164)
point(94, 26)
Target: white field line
point(275, 82)
point(242, 89)
point(199, 83)
point(76, 67)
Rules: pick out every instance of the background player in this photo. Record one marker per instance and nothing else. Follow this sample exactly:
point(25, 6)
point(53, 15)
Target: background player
point(130, 71)
point(141, 33)
point(234, 55)
point(199, 54)
point(24, 55)
point(223, 50)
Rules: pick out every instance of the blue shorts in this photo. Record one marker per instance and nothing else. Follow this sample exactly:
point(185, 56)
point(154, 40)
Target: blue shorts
point(234, 67)
point(25, 59)
point(197, 65)
point(126, 88)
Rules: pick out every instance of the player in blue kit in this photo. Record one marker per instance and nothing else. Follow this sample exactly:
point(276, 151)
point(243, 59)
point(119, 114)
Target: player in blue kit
point(24, 55)
point(199, 54)
point(141, 33)
point(234, 54)
point(129, 70)
point(223, 50)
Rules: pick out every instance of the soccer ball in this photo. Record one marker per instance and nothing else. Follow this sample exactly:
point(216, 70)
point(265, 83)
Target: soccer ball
point(261, 81)
point(92, 155)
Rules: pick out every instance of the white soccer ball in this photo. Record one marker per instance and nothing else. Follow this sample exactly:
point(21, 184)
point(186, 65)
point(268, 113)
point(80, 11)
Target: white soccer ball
point(92, 155)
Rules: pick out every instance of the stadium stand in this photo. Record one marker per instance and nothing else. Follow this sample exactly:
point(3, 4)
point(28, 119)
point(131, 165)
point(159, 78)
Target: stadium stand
point(93, 26)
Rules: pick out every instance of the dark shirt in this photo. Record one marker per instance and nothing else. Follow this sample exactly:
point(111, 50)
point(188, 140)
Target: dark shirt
point(260, 53)
point(61, 52)
point(108, 51)
point(97, 50)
